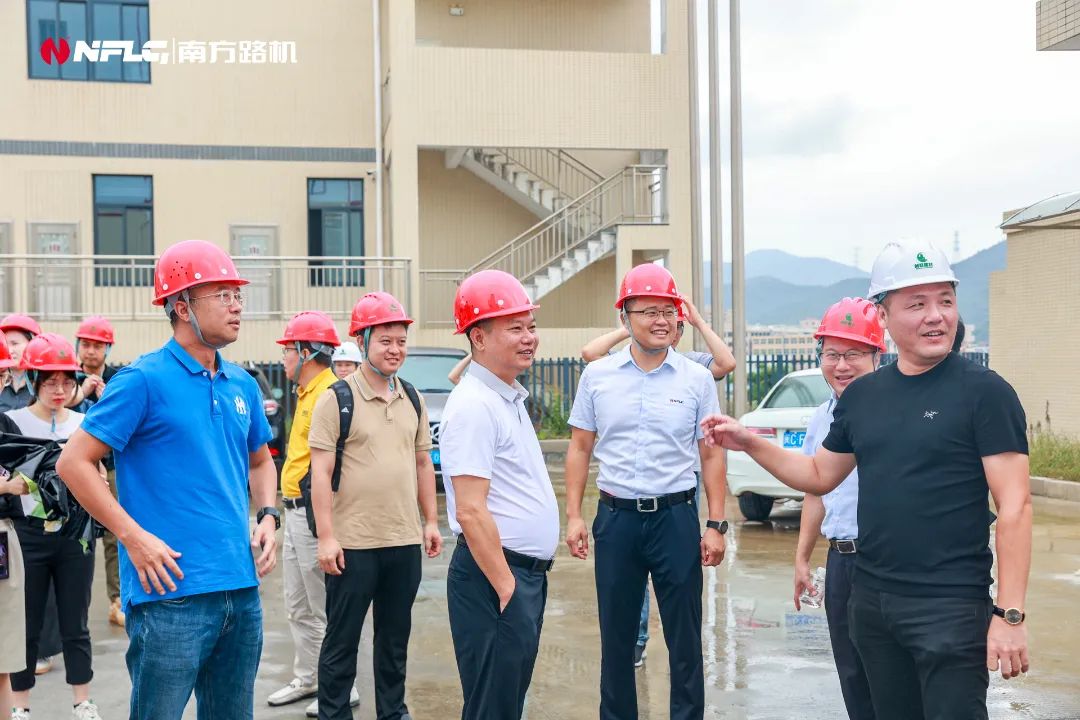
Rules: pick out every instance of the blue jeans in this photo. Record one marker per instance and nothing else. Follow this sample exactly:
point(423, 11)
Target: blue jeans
point(209, 644)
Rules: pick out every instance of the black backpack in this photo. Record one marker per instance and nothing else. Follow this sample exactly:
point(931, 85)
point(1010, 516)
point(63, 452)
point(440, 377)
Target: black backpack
point(345, 413)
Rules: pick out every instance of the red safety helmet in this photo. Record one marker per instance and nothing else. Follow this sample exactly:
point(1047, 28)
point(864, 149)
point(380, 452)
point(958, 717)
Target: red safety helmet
point(96, 328)
point(376, 308)
point(190, 263)
point(49, 352)
point(5, 357)
point(310, 326)
point(488, 294)
point(650, 280)
point(18, 321)
point(853, 319)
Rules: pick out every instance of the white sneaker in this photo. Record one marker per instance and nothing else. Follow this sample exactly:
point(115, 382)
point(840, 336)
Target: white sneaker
point(86, 710)
point(295, 690)
point(20, 714)
point(312, 710)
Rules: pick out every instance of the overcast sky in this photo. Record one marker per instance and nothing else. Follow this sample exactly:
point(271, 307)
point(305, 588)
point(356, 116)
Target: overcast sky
point(867, 121)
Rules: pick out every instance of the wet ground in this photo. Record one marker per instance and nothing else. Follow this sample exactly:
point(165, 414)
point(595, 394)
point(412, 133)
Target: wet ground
point(763, 660)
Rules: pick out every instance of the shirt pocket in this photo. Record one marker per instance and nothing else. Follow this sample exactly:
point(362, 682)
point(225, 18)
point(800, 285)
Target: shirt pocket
point(676, 415)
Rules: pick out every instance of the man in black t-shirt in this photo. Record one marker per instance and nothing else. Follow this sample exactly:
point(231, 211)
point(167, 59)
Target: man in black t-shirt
point(930, 435)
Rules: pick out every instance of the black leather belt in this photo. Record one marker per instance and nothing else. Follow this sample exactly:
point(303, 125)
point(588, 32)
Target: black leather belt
point(517, 559)
point(844, 547)
point(648, 504)
point(293, 503)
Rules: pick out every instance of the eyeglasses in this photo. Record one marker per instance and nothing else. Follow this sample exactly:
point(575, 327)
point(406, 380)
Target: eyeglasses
point(653, 313)
point(850, 357)
point(228, 298)
point(62, 386)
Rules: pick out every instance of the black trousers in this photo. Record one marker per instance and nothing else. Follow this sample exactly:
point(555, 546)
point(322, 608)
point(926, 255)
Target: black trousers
point(839, 576)
point(629, 545)
point(495, 652)
point(62, 563)
point(387, 580)
point(925, 658)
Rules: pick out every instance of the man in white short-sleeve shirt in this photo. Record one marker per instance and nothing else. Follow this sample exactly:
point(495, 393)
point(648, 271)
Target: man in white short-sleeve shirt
point(499, 502)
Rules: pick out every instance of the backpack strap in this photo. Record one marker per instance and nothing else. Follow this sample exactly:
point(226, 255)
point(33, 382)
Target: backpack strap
point(345, 413)
point(411, 393)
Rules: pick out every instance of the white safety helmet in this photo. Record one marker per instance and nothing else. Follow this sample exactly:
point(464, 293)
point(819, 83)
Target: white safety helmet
point(348, 352)
point(906, 264)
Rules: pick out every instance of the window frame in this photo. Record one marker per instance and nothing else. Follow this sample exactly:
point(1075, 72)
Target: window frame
point(335, 275)
point(136, 276)
point(88, 10)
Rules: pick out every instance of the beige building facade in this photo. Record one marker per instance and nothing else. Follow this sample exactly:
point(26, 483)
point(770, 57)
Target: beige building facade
point(1057, 25)
point(1033, 308)
point(547, 139)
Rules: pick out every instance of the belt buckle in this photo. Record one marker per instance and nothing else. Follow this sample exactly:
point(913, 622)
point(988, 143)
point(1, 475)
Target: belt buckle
point(642, 508)
point(845, 547)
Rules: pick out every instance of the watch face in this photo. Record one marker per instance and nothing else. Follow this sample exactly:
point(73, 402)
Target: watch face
point(1014, 616)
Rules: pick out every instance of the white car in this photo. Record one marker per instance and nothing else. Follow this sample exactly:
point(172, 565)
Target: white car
point(781, 417)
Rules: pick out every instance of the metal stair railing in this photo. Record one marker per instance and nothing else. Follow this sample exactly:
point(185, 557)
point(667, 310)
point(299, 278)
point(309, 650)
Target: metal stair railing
point(568, 176)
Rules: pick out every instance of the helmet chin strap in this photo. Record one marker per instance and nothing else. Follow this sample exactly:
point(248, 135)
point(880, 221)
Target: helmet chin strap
point(637, 344)
point(299, 368)
point(170, 306)
point(367, 360)
point(31, 380)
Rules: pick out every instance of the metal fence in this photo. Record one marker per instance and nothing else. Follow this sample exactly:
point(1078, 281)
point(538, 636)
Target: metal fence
point(553, 383)
point(66, 287)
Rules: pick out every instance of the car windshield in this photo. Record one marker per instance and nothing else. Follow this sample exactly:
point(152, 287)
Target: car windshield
point(428, 373)
point(800, 391)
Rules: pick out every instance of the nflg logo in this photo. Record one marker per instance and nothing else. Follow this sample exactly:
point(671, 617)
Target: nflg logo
point(102, 51)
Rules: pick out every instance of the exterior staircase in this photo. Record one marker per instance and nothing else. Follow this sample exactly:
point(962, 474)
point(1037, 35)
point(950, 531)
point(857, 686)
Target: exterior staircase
point(580, 214)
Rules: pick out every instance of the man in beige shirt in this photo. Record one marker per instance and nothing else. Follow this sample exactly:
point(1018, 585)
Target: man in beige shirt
point(369, 530)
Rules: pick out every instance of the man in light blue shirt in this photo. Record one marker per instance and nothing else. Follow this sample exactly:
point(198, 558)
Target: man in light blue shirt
point(850, 339)
point(639, 412)
point(719, 361)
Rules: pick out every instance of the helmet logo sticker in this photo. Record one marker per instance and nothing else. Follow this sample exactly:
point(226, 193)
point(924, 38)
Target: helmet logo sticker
point(848, 320)
point(922, 263)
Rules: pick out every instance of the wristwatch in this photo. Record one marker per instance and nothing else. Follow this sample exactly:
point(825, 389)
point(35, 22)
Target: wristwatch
point(1010, 615)
point(720, 526)
point(272, 511)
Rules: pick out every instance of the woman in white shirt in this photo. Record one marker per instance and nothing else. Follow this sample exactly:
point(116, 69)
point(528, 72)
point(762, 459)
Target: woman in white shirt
point(50, 558)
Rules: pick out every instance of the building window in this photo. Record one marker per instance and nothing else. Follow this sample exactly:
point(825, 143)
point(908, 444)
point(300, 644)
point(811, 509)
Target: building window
point(124, 227)
point(336, 231)
point(48, 22)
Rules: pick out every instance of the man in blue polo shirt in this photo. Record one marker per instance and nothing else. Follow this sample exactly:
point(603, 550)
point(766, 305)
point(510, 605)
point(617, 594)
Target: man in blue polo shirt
point(188, 435)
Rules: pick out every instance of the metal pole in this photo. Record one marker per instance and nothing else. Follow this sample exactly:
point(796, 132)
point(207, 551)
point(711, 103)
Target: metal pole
point(716, 233)
point(738, 249)
point(697, 284)
point(376, 27)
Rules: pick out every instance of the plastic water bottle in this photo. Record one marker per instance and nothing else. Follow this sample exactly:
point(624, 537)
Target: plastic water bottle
point(813, 595)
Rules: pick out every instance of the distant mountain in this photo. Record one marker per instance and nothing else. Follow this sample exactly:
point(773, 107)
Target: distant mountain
point(801, 293)
point(789, 268)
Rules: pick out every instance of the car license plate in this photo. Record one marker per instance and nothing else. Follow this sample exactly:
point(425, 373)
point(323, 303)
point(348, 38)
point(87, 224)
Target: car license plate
point(794, 438)
point(435, 456)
